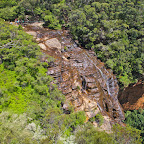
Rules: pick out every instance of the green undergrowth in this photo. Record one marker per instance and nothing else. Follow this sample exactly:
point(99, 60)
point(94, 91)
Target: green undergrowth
point(135, 118)
point(98, 118)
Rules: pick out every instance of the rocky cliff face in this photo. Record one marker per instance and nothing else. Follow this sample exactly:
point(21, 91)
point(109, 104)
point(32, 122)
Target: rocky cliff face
point(82, 78)
point(132, 96)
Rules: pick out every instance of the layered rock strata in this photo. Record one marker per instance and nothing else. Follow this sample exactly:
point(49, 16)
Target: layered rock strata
point(82, 78)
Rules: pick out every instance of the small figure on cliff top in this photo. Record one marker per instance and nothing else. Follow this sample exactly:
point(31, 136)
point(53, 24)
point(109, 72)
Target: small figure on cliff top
point(15, 21)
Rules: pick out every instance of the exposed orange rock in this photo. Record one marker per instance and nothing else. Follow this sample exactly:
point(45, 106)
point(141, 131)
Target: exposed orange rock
point(132, 96)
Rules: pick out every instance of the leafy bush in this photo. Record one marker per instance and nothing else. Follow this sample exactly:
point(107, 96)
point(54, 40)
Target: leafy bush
point(52, 22)
point(88, 134)
point(135, 119)
point(8, 13)
point(16, 129)
point(120, 135)
point(126, 135)
point(98, 118)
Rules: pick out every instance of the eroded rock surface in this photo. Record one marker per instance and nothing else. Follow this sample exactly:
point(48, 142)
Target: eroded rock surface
point(33, 33)
point(132, 96)
point(81, 77)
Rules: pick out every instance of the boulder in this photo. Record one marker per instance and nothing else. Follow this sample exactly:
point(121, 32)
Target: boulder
point(66, 75)
point(91, 85)
point(106, 124)
point(42, 46)
point(38, 24)
point(33, 33)
point(53, 43)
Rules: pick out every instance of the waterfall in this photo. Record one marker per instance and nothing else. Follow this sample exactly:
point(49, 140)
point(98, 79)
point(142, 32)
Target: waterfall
point(104, 77)
point(75, 59)
point(99, 107)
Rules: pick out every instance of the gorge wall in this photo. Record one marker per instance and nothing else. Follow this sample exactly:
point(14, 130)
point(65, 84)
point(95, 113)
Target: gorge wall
point(82, 78)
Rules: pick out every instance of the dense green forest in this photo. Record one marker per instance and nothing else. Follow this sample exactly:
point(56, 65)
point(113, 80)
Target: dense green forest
point(30, 105)
point(114, 29)
point(135, 119)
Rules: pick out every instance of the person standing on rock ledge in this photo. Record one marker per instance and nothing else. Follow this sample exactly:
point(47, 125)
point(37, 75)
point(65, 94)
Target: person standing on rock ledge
point(15, 21)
